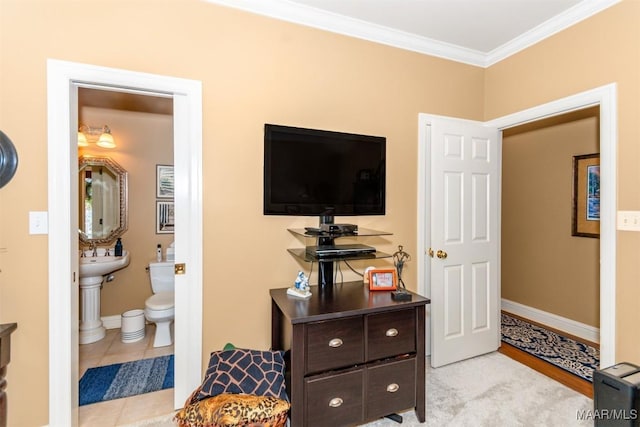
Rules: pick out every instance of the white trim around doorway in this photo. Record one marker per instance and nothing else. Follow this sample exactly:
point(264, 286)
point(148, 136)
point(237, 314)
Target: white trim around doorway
point(63, 78)
point(606, 98)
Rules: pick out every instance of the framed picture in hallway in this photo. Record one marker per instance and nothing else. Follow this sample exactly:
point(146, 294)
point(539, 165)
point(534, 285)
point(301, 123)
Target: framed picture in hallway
point(164, 217)
point(586, 196)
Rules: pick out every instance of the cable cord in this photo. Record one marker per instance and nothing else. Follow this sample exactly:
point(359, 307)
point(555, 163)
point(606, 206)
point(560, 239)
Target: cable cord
point(338, 269)
point(352, 269)
point(311, 272)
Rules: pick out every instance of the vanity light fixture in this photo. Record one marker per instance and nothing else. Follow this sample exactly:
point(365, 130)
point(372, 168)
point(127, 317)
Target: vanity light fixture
point(87, 134)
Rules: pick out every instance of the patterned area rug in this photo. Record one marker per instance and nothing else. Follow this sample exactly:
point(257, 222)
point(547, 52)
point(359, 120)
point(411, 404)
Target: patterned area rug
point(491, 390)
point(572, 356)
point(126, 379)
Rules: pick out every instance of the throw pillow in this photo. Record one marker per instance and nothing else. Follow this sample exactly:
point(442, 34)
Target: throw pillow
point(244, 371)
point(231, 410)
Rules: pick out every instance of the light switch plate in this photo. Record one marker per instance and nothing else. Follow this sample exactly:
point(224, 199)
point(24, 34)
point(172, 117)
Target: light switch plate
point(38, 223)
point(629, 220)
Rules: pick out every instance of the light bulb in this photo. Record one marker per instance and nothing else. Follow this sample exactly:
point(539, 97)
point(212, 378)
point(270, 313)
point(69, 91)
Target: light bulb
point(82, 140)
point(106, 141)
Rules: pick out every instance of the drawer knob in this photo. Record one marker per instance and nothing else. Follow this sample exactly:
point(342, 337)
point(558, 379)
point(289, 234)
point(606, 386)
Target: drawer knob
point(393, 387)
point(335, 402)
point(336, 342)
point(391, 332)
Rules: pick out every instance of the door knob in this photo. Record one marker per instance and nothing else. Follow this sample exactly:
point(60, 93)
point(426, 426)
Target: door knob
point(441, 254)
point(430, 252)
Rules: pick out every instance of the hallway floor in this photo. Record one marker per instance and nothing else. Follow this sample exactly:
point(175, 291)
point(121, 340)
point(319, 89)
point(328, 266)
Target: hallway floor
point(128, 410)
point(552, 371)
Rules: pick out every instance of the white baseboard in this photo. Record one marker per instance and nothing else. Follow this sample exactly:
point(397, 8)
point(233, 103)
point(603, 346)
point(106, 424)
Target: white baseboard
point(112, 322)
point(572, 327)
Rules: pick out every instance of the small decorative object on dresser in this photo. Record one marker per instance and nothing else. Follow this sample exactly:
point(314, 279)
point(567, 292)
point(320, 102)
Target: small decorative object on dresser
point(300, 287)
point(383, 279)
point(365, 276)
point(399, 258)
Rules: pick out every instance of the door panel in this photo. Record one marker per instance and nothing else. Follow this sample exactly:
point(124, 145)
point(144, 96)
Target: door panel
point(453, 297)
point(453, 207)
point(464, 238)
point(480, 304)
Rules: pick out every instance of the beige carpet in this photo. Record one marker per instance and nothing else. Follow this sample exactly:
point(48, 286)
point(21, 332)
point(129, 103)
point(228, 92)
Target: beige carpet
point(490, 390)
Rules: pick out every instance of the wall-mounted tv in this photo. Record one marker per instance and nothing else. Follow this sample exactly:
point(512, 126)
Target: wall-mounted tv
point(311, 172)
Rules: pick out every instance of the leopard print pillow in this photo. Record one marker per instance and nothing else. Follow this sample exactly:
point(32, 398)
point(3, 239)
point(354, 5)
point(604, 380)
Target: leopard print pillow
point(234, 410)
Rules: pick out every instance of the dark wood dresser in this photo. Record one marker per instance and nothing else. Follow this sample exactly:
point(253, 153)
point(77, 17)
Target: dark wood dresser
point(355, 355)
point(5, 356)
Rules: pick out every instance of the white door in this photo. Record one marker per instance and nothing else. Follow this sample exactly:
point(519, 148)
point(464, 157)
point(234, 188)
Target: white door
point(465, 310)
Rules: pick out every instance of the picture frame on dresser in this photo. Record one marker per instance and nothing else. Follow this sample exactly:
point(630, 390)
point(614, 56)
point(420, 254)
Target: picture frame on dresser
point(383, 279)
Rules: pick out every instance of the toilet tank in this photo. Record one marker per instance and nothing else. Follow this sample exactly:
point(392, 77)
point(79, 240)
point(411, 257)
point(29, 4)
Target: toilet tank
point(162, 276)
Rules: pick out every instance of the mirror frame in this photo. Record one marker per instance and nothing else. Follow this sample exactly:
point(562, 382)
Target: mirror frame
point(124, 210)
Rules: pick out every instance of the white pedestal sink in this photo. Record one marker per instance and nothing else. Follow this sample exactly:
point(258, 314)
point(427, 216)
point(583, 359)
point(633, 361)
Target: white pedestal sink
point(93, 270)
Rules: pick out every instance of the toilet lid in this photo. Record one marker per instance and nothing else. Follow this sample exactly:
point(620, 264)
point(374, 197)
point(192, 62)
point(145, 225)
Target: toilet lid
point(160, 301)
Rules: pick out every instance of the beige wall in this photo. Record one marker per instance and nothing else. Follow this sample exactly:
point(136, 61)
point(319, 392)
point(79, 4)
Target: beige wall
point(601, 50)
point(543, 265)
point(144, 140)
point(254, 70)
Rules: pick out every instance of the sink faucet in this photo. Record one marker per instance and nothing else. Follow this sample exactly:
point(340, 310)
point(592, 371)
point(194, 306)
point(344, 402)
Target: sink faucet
point(95, 249)
point(107, 252)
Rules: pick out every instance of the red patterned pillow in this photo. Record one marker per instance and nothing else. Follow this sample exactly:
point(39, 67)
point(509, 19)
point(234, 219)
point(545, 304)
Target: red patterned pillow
point(256, 372)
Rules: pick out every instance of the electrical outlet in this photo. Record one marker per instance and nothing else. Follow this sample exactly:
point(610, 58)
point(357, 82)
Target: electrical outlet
point(629, 220)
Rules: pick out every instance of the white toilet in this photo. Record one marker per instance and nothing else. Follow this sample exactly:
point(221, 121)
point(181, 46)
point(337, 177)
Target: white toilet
point(159, 308)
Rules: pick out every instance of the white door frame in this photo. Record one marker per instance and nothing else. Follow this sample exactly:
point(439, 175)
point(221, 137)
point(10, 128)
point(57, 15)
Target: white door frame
point(62, 80)
point(606, 98)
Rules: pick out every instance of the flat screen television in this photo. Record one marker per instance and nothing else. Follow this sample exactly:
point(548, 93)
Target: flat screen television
point(311, 172)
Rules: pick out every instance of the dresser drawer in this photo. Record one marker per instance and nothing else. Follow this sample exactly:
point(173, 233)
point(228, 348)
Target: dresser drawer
point(334, 344)
point(390, 334)
point(335, 400)
point(391, 387)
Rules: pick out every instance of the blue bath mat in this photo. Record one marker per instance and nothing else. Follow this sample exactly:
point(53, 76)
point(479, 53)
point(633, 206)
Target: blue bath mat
point(126, 379)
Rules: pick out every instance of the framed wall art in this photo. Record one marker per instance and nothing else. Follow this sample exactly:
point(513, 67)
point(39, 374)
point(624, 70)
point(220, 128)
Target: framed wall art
point(383, 279)
point(586, 196)
point(165, 219)
point(164, 182)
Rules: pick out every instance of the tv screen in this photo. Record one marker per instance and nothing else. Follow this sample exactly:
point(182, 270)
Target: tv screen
point(324, 173)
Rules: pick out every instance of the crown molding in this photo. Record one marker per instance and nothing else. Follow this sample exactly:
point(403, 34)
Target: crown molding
point(324, 20)
point(562, 21)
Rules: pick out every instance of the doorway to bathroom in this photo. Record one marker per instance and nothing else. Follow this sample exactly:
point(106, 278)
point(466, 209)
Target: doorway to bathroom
point(64, 80)
point(141, 126)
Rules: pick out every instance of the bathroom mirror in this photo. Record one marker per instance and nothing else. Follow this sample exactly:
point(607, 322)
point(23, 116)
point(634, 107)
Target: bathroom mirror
point(102, 185)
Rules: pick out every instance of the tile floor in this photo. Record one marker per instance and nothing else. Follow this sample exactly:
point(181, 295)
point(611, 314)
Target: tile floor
point(131, 409)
